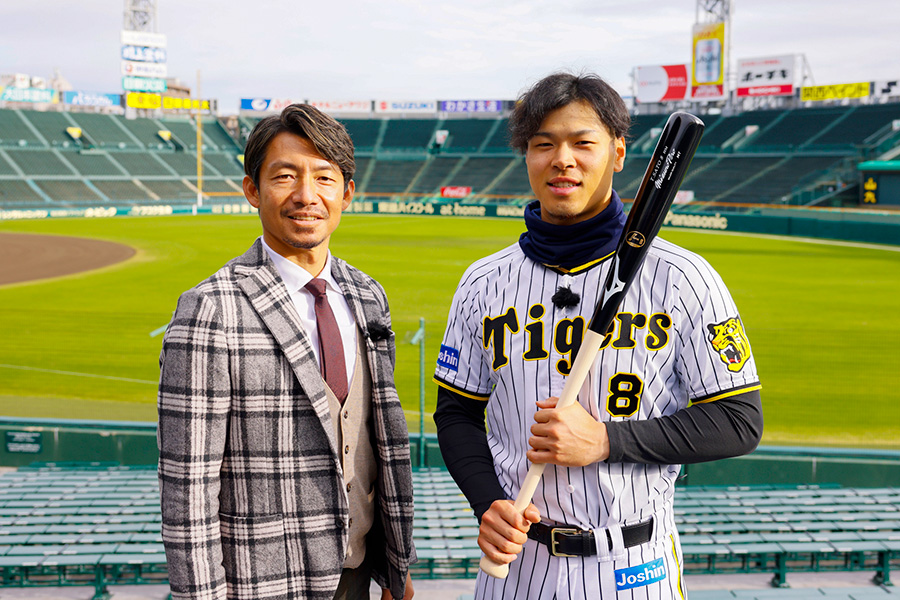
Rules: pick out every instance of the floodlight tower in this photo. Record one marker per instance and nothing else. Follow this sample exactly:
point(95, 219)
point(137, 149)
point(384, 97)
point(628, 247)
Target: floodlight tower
point(719, 11)
point(140, 15)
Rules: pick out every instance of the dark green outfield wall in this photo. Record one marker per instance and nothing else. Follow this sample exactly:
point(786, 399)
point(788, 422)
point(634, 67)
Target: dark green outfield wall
point(49, 440)
point(875, 226)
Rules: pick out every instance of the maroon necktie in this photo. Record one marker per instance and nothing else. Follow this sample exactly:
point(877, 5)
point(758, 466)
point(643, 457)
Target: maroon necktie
point(331, 349)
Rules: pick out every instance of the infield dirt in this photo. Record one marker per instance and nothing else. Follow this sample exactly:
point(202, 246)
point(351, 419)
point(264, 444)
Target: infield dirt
point(28, 256)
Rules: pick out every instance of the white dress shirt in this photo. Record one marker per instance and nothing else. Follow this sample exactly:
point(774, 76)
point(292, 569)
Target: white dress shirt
point(295, 278)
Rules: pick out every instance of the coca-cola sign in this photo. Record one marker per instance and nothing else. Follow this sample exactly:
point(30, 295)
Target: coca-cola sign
point(455, 191)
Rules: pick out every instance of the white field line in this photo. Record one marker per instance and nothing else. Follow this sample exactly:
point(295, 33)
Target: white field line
point(73, 373)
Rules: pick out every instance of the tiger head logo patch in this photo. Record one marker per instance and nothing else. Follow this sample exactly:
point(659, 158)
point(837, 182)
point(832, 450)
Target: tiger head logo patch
point(729, 340)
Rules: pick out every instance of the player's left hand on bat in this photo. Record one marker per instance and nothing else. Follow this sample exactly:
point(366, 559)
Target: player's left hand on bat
point(569, 436)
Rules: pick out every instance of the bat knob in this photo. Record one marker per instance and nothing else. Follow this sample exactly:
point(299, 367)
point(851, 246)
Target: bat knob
point(493, 569)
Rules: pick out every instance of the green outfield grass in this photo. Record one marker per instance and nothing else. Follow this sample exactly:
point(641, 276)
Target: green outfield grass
point(822, 318)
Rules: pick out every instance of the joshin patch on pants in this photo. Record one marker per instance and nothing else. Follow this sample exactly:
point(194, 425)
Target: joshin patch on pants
point(641, 575)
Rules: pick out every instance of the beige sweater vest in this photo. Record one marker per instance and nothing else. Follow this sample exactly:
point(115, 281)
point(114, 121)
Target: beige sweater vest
point(355, 438)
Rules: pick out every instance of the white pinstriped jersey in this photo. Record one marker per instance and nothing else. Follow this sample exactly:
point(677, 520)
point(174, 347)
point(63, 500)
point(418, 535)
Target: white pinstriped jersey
point(676, 339)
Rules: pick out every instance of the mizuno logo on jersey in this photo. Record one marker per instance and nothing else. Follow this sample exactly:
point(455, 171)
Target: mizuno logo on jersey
point(448, 357)
point(567, 334)
point(641, 575)
point(730, 342)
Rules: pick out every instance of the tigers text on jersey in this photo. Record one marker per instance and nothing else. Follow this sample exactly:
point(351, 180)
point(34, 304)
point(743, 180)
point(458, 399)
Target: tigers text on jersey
point(676, 339)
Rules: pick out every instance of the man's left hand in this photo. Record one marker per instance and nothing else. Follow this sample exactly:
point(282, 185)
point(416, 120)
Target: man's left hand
point(569, 437)
point(407, 595)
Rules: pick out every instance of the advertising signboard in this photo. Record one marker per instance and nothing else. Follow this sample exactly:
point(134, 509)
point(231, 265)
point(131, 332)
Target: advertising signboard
point(343, 106)
point(838, 91)
point(266, 104)
point(91, 99)
point(143, 101)
point(770, 76)
point(708, 65)
point(144, 54)
point(406, 106)
point(138, 69)
point(143, 38)
point(666, 83)
point(471, 106)
point(36, 95)
point(143, 84)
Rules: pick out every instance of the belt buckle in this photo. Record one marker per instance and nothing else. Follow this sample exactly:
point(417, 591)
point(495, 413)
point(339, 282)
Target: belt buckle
point(554, 543)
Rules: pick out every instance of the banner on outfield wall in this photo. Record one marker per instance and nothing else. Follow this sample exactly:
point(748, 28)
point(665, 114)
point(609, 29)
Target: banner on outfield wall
point(666, 83)
point(406, 106)
point(91, 99)
point(709, 60)
point(835, 92)
point(266, 104)
point(770, 76)
point(143, 38)
point(471, 106)
point(36, 95)
point(343, 106)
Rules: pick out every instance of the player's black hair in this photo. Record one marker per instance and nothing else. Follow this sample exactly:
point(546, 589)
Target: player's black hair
point(558, 90)
point(325, 133)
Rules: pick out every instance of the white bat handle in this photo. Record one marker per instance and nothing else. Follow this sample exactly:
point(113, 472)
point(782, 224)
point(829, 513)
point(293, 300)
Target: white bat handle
point(590, 346)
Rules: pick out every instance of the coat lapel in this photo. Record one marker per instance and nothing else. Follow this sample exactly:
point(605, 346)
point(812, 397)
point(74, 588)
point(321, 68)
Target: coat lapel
point(265, 290)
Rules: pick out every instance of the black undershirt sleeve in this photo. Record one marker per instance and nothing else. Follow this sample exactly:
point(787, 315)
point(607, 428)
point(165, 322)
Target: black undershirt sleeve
point(463, 440)
point(702, 432)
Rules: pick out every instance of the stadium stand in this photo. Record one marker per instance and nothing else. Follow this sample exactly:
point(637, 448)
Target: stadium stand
point(392, 176)
point(40, 162)
point(498, 139)
point(363, 132)
point(15, 130)
point(466, 135)
point(434, 174)
point(105, 131)
point(792, 156)
point(51, 126)
point(89, 163)
point(68, 190)
point(226, 164)
point(408, 134)
point(99, 524)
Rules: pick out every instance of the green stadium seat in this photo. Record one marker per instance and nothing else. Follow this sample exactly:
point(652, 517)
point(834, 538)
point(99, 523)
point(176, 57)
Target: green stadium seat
point(15, 132)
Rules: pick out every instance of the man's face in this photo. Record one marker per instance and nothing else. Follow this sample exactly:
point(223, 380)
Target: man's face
point(571, 160)
point(300, 196)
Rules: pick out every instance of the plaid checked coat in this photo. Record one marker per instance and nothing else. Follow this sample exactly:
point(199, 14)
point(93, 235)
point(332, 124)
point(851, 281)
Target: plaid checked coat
point(253, 501)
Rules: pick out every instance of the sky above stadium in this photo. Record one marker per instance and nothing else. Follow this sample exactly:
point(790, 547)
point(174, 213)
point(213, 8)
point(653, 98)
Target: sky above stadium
point(427, 49)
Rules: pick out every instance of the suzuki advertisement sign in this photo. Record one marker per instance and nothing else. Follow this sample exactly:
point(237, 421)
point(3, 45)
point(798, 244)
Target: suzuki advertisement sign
point(423, 107)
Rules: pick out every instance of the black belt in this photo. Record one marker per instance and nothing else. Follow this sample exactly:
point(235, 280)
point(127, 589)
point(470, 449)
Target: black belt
point(564, 540)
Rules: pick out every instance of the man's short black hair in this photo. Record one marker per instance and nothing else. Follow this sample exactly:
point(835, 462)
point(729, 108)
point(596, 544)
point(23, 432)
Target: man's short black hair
point(326, 134)
point(558, 90)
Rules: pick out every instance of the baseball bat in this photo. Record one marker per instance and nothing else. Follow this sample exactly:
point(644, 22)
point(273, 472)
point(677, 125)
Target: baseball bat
point(668, 165)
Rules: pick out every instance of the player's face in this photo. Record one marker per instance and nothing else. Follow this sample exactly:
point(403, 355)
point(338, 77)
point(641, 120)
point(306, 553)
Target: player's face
point(571, 160)
point(300, 198)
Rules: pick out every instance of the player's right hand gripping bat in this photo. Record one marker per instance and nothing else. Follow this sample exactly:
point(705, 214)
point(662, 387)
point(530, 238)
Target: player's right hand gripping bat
point(668, 165)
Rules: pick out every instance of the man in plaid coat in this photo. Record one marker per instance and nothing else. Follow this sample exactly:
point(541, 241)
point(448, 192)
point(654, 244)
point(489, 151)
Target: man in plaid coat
point(277, 478)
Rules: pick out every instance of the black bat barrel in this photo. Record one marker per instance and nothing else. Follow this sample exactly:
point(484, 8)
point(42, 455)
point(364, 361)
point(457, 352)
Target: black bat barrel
point(668, 165)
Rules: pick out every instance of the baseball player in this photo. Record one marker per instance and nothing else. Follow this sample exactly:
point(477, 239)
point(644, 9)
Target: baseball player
point(675, 382)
